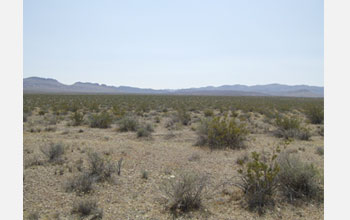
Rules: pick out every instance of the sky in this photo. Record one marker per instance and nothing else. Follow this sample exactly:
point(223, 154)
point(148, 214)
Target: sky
point(172, 44)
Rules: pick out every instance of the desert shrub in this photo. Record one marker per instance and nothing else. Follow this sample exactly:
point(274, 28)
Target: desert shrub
point(145, 131)
point(315, 114)
point(100, 169)
point(157, 119)
point(288, 127)
point(101, 120)
point(321, 131)
point(185, 192)
point(33, 216)
point(33, 161)
point(320, 151)
point(25, 117)
point(53, 152)
point(298, 180)
point(221, 132)
point(208, 113)
point(77, 118)
point(50, 129)
point(258, 181)
point(144, 174)
point(128, 124)
point(117, 111)
point(86, 208)
point(81, 183)
point(41, 112)
point(184, 117)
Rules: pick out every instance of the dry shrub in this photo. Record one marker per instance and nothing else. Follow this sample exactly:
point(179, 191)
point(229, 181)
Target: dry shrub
point(53, 152)
point(185, 193)
point(86, 208)
point(81, 183)
point(299, 180)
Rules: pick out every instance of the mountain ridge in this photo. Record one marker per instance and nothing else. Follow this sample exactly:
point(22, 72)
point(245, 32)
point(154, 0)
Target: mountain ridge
point(49, 85)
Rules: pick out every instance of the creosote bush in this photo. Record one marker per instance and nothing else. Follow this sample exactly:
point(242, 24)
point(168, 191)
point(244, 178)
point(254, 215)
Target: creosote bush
point(101, 120)
point(128, 124)
point(184, 117)
point(53, 152)
point(299, 180)
point(315, 114)
point(259, 181)
point(185, 192)
point(288, 127)
point(77, 118)
point(208, 113)
point(221, 133)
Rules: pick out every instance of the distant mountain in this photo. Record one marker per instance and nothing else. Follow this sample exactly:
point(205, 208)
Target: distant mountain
point(42, 85)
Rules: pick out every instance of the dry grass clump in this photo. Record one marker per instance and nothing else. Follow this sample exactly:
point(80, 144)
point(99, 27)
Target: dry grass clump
point(220, 133)
point(53, 152)
point(185, 192)
point(86, 208)
point(259, 182)
point(299, 180)
point(101, 120)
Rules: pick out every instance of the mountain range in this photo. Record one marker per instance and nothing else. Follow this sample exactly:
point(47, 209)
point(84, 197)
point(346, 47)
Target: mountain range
point(50, 86)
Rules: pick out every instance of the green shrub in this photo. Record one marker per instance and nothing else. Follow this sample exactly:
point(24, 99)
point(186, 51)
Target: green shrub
point(208, 113)
point(128, 124)
point(298, 180)
point(185, 193)
point(86, 208)
point(77, 118)
point(259, 181)
point(184, 117)
point(101, 120)
point(221, 132)
point(315, 114)
point(288, 127)
point(53, 152)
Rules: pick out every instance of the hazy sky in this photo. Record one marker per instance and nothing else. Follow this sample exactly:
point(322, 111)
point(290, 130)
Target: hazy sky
point(175, 43)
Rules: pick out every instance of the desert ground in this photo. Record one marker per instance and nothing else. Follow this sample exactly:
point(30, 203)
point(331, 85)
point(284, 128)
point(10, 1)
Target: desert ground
point(144, 162)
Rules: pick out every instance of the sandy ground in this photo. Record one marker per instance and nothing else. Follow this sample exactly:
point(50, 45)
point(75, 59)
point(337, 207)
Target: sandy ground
point(163, 157)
